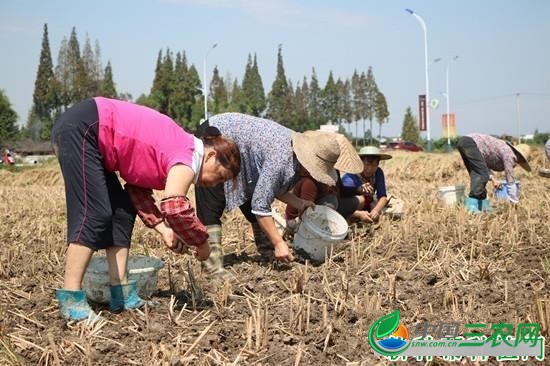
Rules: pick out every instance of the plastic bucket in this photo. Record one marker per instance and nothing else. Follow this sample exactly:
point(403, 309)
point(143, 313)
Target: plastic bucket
point(501, 193)
point(142, 269)
point(321, 228)
point(450, 195)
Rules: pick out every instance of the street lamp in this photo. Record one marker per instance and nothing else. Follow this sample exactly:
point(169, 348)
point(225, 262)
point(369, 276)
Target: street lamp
point(204, 88)
point(447, 97)
point(423, 24)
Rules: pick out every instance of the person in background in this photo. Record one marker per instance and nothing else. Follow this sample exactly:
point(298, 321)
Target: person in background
point(271, 158)
point(364, 195)
point(7, 158)
point(99, 137)
point(483, 153)
point(547, 149)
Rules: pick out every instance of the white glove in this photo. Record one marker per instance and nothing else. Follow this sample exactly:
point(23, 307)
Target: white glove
point(512, 190)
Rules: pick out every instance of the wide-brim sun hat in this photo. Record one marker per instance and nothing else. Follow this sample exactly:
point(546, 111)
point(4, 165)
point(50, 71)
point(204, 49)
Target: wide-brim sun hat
point(320, 153)
point(522, 152)
point(373, 151)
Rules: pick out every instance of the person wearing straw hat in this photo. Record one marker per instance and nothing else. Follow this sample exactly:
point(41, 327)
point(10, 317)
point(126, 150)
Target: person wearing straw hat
point(358, 190)
point(481, 155)
point(271, 158)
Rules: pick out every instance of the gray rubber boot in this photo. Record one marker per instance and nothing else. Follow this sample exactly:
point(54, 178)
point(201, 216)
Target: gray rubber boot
point(263, 244)
point(213, 266)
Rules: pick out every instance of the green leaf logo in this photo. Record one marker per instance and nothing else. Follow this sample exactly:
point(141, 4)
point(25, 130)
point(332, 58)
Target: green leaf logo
point(387, 324)
point(382, 328)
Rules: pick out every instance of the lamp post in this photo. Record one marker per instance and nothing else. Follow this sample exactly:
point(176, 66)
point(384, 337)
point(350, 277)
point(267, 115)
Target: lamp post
point(447, 98)
point(423, 24)
point(204, 88)
point(519, 117)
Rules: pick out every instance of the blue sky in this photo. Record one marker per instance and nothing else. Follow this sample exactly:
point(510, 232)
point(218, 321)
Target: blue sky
point(502, 47)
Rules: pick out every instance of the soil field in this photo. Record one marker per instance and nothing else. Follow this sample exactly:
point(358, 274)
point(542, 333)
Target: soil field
point(437, 264)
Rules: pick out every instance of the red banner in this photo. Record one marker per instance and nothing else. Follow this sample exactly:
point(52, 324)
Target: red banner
point(422, 125)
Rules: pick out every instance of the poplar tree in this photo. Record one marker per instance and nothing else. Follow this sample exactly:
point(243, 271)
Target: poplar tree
point(108, 88)
point(371, 91)
point(178, 107)
point(163, 83)
point(253, 89)
point(315, 102)
point(300, 113)
point(8, 119)
point(409, 131)
point(44, 98)
point(330, 100)
point(218, 92)
point(381, 111)
point(78, 79)
point(279, 100)
point(63, 76)
point(237, 102)
point(345, 113)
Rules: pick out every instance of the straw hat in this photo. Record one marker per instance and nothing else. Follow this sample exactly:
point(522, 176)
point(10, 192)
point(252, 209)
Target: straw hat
point(522, 152)
point(320, 153)
point(373, 151)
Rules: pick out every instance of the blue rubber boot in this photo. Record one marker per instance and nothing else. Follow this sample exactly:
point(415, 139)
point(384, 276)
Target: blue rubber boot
point(73, 305)
point(124, 297)
point(472, 205)
point(486, 206)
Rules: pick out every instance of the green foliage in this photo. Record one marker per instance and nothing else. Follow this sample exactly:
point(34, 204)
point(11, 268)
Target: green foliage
point(315, 102)
point(280, 99)
point(330, 100)
point(410, 132)
point(371, 90)
point(441, 144)
point(8, 119)
point(344, 102)
point(381, 111)
point(253, 89)
point(44, 85)
point(299, 109)
point(237, 102)
point(163, 82)
point(92, 82)
point(218, 92)
point(108, 88)
point(179, 109)
point(541, 138)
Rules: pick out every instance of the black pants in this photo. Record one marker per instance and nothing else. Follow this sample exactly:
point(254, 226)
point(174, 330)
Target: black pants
point(476, 166)
point(99, 211)
point(211, 203)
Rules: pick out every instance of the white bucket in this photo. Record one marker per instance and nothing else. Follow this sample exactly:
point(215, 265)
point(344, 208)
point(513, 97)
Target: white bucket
point(320, 228)
point(142, 269)
point(451, 195)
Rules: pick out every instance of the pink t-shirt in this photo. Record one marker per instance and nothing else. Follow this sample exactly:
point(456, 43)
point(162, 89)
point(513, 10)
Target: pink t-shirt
point(141, 143)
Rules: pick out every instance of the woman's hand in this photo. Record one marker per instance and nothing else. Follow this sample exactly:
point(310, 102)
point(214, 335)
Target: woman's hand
point(282, 253)
point(203, 251)
point(374, 215)
point(496, 183)
point(366, 189)
point(171, 240)
point(304, 204)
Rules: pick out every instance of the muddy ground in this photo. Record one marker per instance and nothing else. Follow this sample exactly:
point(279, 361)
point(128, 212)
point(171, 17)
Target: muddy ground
point(437, 264)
